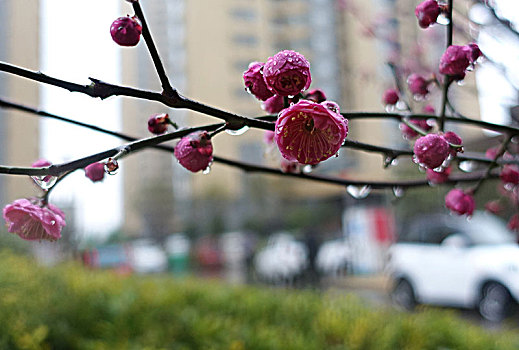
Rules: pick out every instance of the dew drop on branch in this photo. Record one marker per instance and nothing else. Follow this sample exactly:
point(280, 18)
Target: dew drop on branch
point(358, 192)
point(44, 181)
point(398, 191)
point(467, 166)
point(238, 132)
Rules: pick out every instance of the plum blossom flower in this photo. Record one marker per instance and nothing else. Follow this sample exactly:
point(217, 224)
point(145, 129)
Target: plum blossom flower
point(513, 223)
point(510, 174)
point(390, 97)
point(32, 220)
point(254, 82)
point(195, 151)
point(268, 137)
point(418, 85)
point(457, 59)
point(427, 13)
point(158, 123)
point(431, 150)
point(287, 73)
point(494, 207)
point(309, 132)
point(126, 31)
point(460, 202)
point(95, 171)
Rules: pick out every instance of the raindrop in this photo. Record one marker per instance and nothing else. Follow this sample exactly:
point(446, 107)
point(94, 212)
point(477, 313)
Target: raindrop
point(307, 169)
point(111, 166)
point(207, 170)
point(467, 166)
point(509, 186)
point(398, 191)
point(460, 82)
point(390, 108)
point(45, 181)
point(401, 105)
point(389, 160)
point(358, 192)
point(443, 20)
point(53, 222)
point(238, 132)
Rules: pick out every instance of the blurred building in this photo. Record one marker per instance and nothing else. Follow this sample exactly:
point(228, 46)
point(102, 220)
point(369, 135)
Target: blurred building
point(206, 46)
point(19, 134)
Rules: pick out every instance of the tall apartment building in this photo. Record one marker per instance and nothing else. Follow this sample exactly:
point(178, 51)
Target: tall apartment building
point(19, 134)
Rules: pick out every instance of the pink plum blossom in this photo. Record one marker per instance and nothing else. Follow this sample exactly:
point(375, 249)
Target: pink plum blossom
point(510, 174)
point(316, 95)
point(494, 207)
point(158, 123)
point(513, 223)
point(254, 82)
point(431, 150)
point(287, 73)
point(31, 220)
point(418, 85)
point(195, 151)
point(390, 97)
point(427, 13)
point(126, 31)
point(460, 202)
point(455, 61)
point(308, 132)
point(95, 171)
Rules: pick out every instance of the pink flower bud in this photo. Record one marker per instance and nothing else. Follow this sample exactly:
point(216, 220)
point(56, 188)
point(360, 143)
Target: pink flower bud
point(287, 73)
point(409, 133)
point(513, 223)
point(126, 31)
point(158, 123)
point(254, 82)
point(31, 220)
point(453, 139)
point(195, 151)
point(274, 104)
point(308, 132)
point(494, 207)
point(428, 109)
point(390, 97)
point(510, 174)
point(315, 95)
point(460, 202)
point(288, 166)
point(427, 13)
point(431, 150)
point(417, 85)
point(438, 177)
point(95, 171)
point(455, 60)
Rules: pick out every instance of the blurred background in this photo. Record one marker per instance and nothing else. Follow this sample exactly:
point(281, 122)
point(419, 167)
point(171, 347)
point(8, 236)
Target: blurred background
point(154, 216)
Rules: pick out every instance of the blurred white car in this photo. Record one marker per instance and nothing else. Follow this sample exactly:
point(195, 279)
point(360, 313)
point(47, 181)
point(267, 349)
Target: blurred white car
point(334, 258)
point(452, 261)
point(147, 257)
point(282, 260)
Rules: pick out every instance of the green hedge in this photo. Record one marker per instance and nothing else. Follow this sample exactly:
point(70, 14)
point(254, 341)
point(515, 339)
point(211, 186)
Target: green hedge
point(67, 307)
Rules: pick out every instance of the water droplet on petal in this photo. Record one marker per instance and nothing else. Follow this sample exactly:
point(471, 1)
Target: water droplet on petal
point(307, 169)
point(390, 108)
point(460, 82)
point(467, 166)
point(443, 20)
point(238, 132)
point(45, 181)
point(509, 186)
point(207, 170)
point(53, 222)
point(358, 192)
point(401, 105)
point(398, 191)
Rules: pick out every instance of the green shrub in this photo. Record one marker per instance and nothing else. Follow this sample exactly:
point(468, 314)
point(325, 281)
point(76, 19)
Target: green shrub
point(68, 307)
